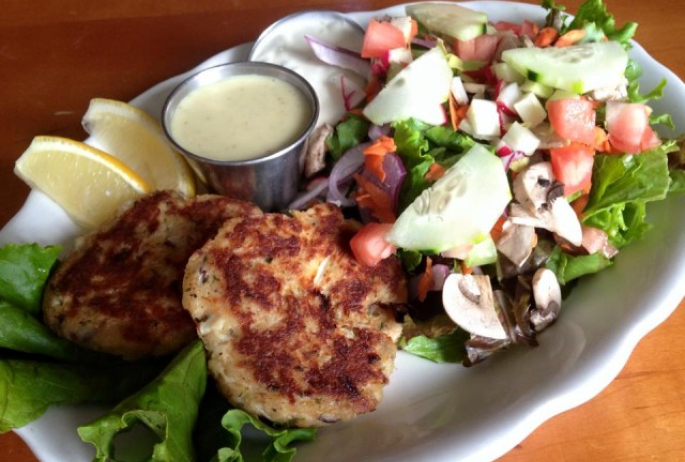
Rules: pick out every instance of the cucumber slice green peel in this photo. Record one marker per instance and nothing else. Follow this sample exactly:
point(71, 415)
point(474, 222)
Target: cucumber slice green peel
point(578, 68)
point(459, 209)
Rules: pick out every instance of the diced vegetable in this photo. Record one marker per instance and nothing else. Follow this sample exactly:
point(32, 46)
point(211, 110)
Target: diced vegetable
point(484, 119)
point(530, 110)
point(520, 138)
point(381, 37)
point(481, 48)
point(572, 165)
point(628, 127)
point(573, 119)
point(370, 246)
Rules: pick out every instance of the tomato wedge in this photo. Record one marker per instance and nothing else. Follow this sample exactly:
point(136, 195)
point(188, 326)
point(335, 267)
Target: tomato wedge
point(628, 127)
point(381, 37)
point(481, 48)
point(369, 245)
point(573, 119)
point(572, 165)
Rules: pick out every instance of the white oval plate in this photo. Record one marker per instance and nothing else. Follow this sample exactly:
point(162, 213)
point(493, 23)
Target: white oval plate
point(446, 412)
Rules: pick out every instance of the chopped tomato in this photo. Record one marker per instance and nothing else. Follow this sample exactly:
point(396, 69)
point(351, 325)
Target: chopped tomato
point(381, 37)
point(650, 140)
point(529, 28)
point(481, 48)
point(628, 126)
point(572, 165)
point(573, 119)
point(369, 245)
point(506, 25)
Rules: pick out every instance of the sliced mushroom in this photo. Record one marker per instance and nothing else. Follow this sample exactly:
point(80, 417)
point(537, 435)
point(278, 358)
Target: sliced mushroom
point(558, 217)
point(516, 242)
point(469, 302)
point(547, 296)
point(532, 185)
point(315, 153)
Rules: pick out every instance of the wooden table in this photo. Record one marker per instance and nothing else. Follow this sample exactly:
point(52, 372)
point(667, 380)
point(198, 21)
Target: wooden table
point(55, 56)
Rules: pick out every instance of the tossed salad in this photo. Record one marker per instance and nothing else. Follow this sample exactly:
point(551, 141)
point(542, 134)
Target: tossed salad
point(501, 162)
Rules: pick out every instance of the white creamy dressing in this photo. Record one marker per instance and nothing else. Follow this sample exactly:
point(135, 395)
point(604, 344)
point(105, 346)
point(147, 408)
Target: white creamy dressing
point(285, 45)
point(241, 117)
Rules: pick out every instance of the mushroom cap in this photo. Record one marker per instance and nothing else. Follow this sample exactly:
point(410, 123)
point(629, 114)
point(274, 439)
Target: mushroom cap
point(469, 302)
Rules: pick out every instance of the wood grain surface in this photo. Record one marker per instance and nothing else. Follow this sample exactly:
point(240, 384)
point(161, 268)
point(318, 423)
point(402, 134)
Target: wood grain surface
point(56, 56)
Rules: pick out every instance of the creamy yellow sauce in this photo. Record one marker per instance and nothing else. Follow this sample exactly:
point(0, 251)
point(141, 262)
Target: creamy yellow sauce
point(241, 117)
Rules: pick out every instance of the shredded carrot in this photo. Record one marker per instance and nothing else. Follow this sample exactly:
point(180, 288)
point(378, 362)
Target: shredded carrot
point(435, 172)
point(374, 153)
point(457, 113)
point(569, 38)
point(546, 37)
point(601, 140)
point(497, 229)
point(579, 205)
point(356, 111)
point(465, 269)
point(426, 280)
point(381, 146)
point(375, 199)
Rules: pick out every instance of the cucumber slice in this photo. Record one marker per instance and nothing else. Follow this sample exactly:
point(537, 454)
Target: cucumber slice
point(578, 68)
point(483, 253)
point(449, 19)
point(460, 209)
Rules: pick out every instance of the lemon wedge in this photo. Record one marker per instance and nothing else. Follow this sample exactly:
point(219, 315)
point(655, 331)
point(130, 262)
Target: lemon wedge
point(88, 184)
point(134, 137)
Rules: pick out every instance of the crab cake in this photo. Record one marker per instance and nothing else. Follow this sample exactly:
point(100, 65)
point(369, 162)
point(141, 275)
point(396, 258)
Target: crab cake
point(119, 292)
point(296, 330)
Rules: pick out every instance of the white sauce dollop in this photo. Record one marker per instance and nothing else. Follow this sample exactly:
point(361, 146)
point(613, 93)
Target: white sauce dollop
point(284, 44)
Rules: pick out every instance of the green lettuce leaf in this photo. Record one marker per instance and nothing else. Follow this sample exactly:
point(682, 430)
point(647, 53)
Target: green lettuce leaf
point(24, 269)
point(568, 267)
point(167, 406)
point(29, 388)
point(21, 331)
point(621, 185)
point(447, 348)
point(677, 182)
point(593, 17)
point(280, 447)
point(348, 134)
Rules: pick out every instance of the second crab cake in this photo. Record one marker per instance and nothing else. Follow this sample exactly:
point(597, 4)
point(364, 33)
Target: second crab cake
point(119, 292)
point(296, 330)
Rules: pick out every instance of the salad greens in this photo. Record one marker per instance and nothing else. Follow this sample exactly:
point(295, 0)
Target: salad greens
point(167, 406)
point(605, 183)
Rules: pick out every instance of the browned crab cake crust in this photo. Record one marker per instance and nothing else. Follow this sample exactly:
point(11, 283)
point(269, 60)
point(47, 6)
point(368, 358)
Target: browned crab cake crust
point(119, 292)
point(296, 330)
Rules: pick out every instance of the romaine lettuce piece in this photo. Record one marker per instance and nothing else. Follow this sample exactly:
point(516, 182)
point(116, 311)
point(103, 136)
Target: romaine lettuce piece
point(279, 449)
point(28, 388)
point(24, 269)
point(568, 267)
point(167, 406)
point(621, 185)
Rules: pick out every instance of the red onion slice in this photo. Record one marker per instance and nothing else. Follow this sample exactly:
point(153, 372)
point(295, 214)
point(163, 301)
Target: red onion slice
point(341, 57)
point(350, 163)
